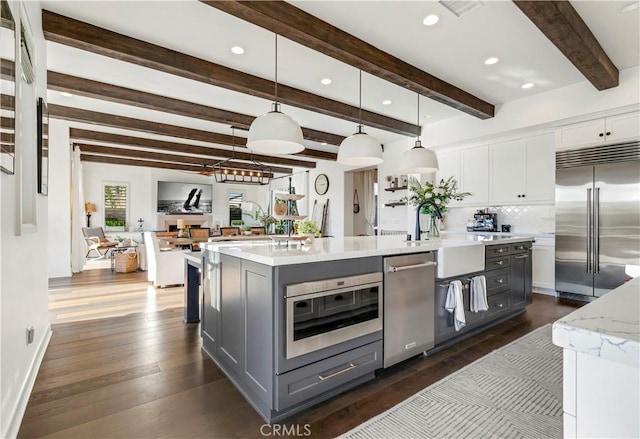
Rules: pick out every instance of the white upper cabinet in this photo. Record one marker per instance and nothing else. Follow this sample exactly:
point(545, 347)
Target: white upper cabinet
point(607, 130)
point(470, 168)
point(522, 171)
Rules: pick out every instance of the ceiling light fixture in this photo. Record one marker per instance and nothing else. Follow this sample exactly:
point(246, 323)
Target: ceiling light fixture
point(326, 81)
point(252, 172)
point(237, 50)
point(66, 94)
point(527, 85)
point(387, 102)
point(492, 60)
point(418, 160)
point(275, 132)
point(360, 149)
point(430, 20)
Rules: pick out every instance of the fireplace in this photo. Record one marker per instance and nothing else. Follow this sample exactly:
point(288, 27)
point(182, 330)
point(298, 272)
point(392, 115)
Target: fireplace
point(164, 221)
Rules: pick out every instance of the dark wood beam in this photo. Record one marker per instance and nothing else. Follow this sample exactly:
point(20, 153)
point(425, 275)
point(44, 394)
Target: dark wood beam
point(122, 95)
point(7, 138)
point(74, 33)
point(119, 139)
point(149, 155)
point(564, 27)
point(7, 70)
point(303, 28)
point(7, 102)
point(146, 126)
point(143, 163)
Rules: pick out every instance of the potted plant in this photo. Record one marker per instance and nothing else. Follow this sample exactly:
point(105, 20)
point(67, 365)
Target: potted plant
point(246, 230)
point(120, 240)
point(280, 208)
point(308, 228)
point(237, 223)
point(440, 194)
point(266, 220)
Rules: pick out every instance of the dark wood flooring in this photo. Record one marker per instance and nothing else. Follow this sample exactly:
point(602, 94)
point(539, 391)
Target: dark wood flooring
point(144, 375)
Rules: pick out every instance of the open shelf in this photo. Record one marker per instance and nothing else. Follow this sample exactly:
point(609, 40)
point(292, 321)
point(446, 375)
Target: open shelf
point(290, 217)
point(395, 204)
point(393, 189)
point(292, 197)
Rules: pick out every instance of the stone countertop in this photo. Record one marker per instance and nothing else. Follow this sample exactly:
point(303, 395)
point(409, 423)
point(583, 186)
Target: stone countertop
point(330, 249)
point(608, 327)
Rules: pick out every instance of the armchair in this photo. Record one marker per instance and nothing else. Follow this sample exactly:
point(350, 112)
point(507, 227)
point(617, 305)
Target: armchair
point(164, 267)
point(96, 241)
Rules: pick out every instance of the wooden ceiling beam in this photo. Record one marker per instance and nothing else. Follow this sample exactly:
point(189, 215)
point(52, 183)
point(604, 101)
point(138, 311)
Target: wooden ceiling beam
point(81, 35)
point(564, 27)
point(296, 25)
point(143, 163)
point(122, 95)
point(146, 126)
point(149, 155)
point(96, 136)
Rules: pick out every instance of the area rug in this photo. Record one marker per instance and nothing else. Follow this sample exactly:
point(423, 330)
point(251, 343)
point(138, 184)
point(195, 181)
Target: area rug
point(515, 391)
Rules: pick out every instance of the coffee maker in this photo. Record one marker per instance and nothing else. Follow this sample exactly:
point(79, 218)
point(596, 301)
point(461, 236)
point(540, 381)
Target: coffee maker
point(485, 222)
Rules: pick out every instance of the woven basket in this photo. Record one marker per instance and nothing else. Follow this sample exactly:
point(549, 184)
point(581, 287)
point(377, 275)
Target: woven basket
point(126, 262)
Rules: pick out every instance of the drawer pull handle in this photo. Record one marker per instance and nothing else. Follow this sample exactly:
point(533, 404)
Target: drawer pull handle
point(500, 281)
point(331, 375)
point(521, 257)
point(500, 262)
point(500, 305)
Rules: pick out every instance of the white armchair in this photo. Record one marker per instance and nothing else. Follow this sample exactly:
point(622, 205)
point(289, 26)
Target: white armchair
point(163, 267)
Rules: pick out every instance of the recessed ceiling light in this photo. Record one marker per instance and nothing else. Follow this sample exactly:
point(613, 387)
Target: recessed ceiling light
point(430, 20)
point(630, 7)
point(387, 102)
point(237, 50)
point(491, 60)
point(326, 81)
point(66, 94)
point(323, 143)
point(528, 85)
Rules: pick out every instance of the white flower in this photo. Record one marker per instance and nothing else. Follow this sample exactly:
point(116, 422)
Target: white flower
point(437, 201)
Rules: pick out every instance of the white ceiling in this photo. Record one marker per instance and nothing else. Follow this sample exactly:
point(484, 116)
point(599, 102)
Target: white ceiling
point(453, 50)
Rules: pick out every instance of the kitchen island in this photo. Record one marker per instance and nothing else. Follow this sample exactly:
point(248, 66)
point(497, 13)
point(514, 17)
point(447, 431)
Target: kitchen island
point(601, 365)
point(292, 325)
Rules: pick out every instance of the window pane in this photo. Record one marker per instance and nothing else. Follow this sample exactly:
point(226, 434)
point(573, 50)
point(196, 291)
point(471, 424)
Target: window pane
point(115, 205)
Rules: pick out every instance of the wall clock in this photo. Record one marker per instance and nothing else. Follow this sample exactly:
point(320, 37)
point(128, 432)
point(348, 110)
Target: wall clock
point(322, 184)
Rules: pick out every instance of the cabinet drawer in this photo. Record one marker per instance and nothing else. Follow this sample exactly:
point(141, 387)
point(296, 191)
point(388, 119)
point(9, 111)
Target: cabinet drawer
point(311, 381)
point(493, 251)
point(520, 247)
point(498, 303)
point(497, 263)
point(497, 280)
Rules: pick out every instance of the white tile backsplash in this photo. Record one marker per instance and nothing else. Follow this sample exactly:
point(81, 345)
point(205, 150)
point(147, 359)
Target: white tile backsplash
point(538, 218)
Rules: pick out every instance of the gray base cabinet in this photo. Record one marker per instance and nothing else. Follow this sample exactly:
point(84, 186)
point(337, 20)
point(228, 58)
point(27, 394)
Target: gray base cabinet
point(508, 275)
point(242, 327)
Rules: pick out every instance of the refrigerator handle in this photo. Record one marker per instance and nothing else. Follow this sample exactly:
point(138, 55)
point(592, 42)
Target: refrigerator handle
point(596, 231)
point(588, 234)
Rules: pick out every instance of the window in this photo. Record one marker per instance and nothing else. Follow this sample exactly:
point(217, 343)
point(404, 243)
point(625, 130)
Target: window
point(235, 211)
point(116, 206)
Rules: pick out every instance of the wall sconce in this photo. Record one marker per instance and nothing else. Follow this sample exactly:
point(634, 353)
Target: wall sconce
point(89, 208)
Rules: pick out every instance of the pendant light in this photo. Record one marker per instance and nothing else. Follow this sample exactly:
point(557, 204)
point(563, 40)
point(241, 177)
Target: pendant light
point(275, 132)
point(360, 149)
point(418, 160)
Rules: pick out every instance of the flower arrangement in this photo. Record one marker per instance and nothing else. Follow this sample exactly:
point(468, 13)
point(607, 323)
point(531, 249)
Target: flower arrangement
point(307, 228)
point(440, 194)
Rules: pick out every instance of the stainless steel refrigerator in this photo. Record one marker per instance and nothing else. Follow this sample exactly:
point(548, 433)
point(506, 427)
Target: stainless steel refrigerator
point(597, 219)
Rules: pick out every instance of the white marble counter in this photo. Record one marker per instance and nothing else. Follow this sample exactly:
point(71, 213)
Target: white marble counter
point(608, 327)
point(330, 249)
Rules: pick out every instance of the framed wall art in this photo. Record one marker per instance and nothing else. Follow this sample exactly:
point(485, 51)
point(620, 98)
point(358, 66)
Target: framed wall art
point(43, 147)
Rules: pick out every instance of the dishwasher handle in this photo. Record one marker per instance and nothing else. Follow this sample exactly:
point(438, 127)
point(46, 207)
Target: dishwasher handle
point(392, 269)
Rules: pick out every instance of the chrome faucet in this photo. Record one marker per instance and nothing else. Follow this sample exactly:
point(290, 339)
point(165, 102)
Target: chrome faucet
point(436, 211)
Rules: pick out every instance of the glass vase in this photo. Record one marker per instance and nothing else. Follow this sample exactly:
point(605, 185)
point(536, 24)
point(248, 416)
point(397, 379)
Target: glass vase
point(433, 226)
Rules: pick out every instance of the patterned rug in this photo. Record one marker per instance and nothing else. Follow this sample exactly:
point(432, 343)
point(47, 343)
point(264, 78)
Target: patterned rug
point(513, 392)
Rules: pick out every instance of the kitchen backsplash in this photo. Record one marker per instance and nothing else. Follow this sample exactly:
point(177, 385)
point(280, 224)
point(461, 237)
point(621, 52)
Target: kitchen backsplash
point(523, 219)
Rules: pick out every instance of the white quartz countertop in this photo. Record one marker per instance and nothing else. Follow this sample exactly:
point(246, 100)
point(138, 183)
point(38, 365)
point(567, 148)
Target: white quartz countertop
point(330, 249)
point(608, 327)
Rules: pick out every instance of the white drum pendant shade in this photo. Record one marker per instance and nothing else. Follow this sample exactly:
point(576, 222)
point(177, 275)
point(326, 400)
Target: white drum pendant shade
point(418, 160)
point(275, 133)
point(360, 149)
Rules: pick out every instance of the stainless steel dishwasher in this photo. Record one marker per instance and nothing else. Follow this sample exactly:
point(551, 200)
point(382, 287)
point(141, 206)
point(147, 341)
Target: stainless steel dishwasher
point(409, 306)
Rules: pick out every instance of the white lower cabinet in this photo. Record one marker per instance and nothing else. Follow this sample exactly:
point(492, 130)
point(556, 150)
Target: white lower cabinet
point(543, 267)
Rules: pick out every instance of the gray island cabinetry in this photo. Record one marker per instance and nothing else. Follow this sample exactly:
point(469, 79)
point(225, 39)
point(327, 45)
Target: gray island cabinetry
point(294, 325)
point(244, 330)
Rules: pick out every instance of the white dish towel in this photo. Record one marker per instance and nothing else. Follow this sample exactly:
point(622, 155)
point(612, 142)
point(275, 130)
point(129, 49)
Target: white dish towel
point(455, 304)
point(478, 294)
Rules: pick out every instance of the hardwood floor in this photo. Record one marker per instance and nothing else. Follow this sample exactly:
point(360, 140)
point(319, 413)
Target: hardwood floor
point(144, 375)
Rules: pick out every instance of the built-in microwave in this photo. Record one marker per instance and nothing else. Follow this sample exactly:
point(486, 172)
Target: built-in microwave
point(327, 312)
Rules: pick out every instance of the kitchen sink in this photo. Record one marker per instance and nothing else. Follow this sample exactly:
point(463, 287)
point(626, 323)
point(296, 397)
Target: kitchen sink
point(455, 259)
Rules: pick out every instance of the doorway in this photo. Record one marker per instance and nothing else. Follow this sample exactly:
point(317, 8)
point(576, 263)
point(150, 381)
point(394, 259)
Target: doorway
point(361, 202)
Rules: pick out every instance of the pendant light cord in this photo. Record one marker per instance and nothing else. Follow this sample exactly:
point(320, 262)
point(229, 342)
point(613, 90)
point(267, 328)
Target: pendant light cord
point(276, 73)
point(360, 100)
point(418, 123)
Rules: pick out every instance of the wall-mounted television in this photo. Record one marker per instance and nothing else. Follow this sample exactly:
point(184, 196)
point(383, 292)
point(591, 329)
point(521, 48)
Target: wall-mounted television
point(184, 198)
